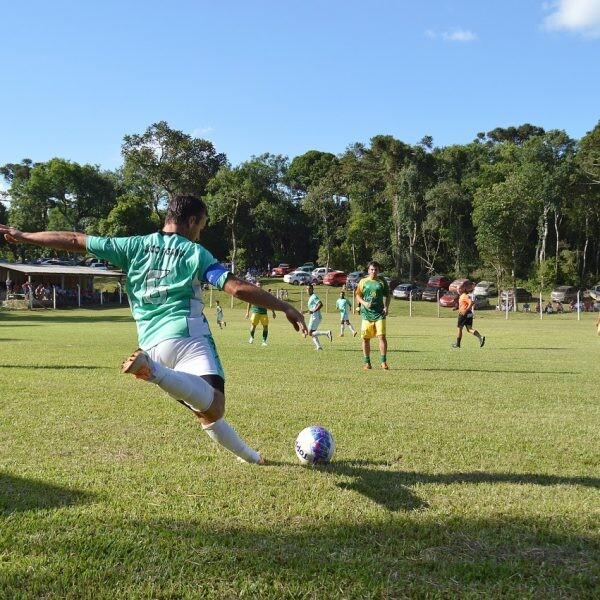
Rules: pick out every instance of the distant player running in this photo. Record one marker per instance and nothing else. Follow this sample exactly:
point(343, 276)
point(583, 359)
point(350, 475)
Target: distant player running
point(259, 315)
point(314, 306)
point(220, 318)
point(344, 306)
point(373, 297)
point(465, 315)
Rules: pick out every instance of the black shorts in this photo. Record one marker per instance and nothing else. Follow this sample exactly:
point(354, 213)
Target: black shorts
point(465, 320)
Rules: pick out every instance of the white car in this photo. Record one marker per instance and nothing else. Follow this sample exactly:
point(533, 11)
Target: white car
point(485, 288)
point(320, 272)
point(594, 292)
point(297, 277)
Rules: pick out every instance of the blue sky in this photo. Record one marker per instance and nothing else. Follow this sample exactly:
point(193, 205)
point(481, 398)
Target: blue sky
point(285, 76)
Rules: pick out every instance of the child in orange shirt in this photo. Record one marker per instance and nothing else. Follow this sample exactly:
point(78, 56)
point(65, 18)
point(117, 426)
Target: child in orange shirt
point(465, 315)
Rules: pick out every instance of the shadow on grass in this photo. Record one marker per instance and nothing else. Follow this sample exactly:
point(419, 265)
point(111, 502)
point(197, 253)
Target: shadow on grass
point(452, 556)
point(19, 495)
point(391, 489)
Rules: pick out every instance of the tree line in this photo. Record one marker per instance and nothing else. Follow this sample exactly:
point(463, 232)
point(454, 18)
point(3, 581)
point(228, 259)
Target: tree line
point(517, 204)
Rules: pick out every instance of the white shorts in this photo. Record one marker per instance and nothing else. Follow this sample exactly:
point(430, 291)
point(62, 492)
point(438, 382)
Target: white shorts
point(315, 319)
point(195, 355)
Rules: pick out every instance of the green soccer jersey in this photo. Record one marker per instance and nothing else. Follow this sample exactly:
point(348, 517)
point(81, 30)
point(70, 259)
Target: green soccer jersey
point(374, 291)
point(258, 310)
point(165, 273)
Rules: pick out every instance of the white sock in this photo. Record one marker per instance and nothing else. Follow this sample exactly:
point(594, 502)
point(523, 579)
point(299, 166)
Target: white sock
point(190, 389)
point(315, 340)
point(223, 433)
point(318, 333)
point(352, 328)
point(342, 330)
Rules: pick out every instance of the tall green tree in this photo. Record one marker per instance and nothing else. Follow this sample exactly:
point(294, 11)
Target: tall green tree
point(446, 231)
point(327, 208)
point(131, 215)
point(252, 202)
point(162, 162)
point(548, 167)
point(504, 219)
point(78, 195)
point(586, 213)
point(308, 169)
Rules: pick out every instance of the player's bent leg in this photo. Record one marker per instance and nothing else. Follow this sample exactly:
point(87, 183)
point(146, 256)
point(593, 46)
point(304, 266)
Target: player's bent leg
point(187, 388)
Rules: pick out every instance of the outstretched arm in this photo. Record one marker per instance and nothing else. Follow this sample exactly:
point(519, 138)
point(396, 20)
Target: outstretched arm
point(70, 241)
point(255, 295)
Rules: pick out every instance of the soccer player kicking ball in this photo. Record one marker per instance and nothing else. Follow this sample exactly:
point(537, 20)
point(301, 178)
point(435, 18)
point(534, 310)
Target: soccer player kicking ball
point(373, 297)
point(465, 316)
point(343, 305)
point(165, 272)
point(314, 305)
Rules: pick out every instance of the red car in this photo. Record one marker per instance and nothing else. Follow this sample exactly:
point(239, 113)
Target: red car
point(449, 299)
point(443, 283)
point(281, 270)
point(335, 278)
point(461, 282)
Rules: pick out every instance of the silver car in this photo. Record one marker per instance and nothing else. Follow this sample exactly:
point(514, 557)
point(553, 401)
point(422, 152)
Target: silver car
point(564, 293)
point(485, 288)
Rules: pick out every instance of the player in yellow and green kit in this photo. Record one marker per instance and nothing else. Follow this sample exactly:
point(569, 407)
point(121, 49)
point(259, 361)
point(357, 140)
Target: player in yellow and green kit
point(373, 297)
point(259, 315)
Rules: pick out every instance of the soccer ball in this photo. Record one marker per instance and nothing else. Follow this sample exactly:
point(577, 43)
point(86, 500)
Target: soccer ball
point(314, 445)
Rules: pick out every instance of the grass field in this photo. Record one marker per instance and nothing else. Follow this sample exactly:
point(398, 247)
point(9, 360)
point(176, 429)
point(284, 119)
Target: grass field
point(458, 474)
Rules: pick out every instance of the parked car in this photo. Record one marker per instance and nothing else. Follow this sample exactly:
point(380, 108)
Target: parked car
point(281, 270)
point(297, 277)
point(485, 288)
point(405, 291)
point(320, 272)
point(335, 278)
point(564, 293)
point(54, 261)
point(457, 284)
point(437, 281)
point(310, 265)
point(306, 268)
point(594, 292)
point(353, 279)
point(521, 293)
point(449, 299)
point(432, 294)
point(481, 302)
